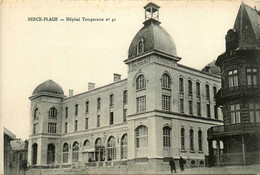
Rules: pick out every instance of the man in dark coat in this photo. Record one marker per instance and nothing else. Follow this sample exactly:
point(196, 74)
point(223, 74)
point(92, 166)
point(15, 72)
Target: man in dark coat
point(172, 164)
point(182, 162)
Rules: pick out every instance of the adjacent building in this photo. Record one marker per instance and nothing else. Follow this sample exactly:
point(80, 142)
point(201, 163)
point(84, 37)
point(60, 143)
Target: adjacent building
point(163, 109)
point(238, 141)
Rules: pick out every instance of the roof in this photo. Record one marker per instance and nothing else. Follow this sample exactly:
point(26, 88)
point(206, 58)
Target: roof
point(212, 68)
point(50, 87)
point(247, 25)
point(155, 38)
point(9, 133)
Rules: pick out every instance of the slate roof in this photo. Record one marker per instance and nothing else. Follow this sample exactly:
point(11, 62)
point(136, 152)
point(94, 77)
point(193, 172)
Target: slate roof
point(247, 25)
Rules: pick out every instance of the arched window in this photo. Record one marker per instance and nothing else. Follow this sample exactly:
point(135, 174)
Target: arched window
point(141, 133)
point(124, 145)
point(181, 88)
point(166, 137)
point(140, 46)
point(86, 144)
point(51, 154)
point(65, 151)
point(140, 82)
point(99, 150)
point(111, 148)
point(191, 140)
point(189, 87)
point(53, 113)
point(35, 115)
point(166, 81)
point(182, 139)
point(200, 140)
point(111, 100)
point(34, 153)
point(75, 152)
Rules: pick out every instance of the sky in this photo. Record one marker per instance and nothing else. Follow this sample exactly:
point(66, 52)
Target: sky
point(75, 53)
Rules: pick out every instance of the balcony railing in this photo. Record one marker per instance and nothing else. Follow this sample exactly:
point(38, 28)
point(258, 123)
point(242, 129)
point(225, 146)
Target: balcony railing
point(236, 91)
point(233, 129)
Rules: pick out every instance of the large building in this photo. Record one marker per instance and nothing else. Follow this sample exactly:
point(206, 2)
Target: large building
point(163, 109)
point(238, 141)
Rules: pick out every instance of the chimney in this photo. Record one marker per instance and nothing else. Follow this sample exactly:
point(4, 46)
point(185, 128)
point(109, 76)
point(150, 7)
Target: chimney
point(117, 77)
point(70, 92)
point(91, 86)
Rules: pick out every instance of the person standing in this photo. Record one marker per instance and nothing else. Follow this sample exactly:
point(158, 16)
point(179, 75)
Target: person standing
point(182, 162)
point(172, 164)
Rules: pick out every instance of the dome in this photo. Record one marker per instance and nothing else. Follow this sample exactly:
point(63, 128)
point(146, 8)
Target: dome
point(48, 86)
point(212, 68)
point(154, 38)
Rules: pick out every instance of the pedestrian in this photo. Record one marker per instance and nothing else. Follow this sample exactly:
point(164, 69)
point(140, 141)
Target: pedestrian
point(172, 164)
point(182, 162)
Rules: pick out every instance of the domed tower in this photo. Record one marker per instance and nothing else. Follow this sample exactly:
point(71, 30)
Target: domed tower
point(45, 124)
point(152, 53)
point(239, 95)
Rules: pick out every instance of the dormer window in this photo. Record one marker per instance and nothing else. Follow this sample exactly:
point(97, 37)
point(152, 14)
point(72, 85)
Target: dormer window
point(140, 46)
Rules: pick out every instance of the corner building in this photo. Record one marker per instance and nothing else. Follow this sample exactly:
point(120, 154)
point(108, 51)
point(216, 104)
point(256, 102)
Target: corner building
point(162, 110)
point(237, 142)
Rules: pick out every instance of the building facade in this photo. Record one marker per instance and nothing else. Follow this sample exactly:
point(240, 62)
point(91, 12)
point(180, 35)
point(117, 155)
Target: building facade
point(238, 141)
point(163, 109)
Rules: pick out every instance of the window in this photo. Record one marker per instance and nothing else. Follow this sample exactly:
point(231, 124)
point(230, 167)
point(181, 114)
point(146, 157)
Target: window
point(98, 120)
point(140, 82)
point(214, 92)
point(124, 115)
point(76, 109)
point(111, 101)
point(207, 91)
point(35, 115)
point(53, 113)
point(181, 85)
point(51, 127)
point(232, 78)
point(111, 118)
point(198, 89)
point(75, 152)
point(216, 111)
point(251, 76)
point(166, 100)
point(182, 139)
point(86, 144)
point(198, 109)
point(141, 103)
point(181, 105)
point(66, 127)
point(124, 147)
point(208, 110)
point(166, 137)
point(190, 107)
point(66, 112)
point(65, 151)
point(166, 81)
point(76, 125)
point(141, 136)
point(125, 98)
point(191, 140)
point(235, 113)
point(87, 106)
point(98, 103)
point(140, 46)
point(86, 123)
point(190, 87)
point(35, 126)
point(200, 140)
point(111, 148)
point(254, 112)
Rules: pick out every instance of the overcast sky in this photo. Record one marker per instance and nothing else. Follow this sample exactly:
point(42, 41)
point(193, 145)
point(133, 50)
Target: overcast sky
point(75, 53)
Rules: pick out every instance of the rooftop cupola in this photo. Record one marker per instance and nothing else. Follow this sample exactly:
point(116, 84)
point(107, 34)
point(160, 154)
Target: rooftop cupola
point(151, 13)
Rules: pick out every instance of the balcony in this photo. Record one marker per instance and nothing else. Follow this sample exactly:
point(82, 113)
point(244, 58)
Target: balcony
point(236, 92)
point(235, 129)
